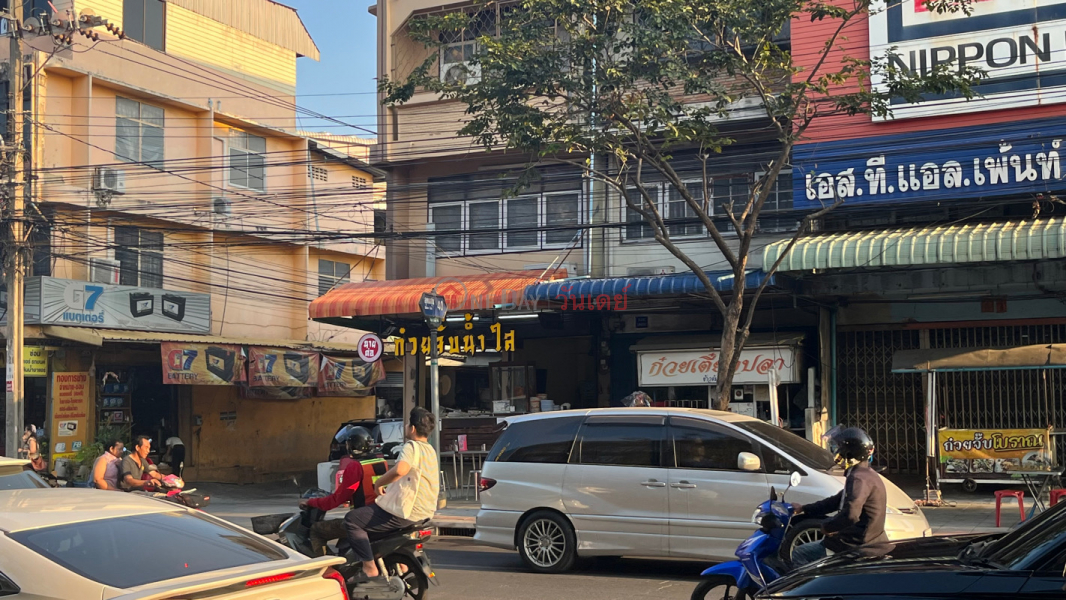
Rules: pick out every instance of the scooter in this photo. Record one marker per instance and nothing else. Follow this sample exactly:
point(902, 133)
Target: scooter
point(171, 489)
point(758, 565)
point(399, 553)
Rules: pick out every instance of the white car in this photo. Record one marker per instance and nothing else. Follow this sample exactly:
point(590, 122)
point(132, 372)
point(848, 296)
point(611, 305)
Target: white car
point(80, 543)
point(14, 476)
point(652, 482)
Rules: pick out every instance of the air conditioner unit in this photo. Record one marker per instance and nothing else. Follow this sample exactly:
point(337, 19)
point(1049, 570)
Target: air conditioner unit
point(649, 271)
point(454, 67)
point(222, 206)
point(557, 268)
point(104, 270)
point(111, 180)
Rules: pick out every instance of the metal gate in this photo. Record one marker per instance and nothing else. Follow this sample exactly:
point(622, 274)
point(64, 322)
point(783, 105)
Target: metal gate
point(890, 405)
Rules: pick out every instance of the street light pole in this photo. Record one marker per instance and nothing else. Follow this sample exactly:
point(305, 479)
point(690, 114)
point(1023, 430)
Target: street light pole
point(434, 308)
point(15, 244)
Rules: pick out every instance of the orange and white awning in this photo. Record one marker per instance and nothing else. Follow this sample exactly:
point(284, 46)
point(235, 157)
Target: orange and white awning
point(400, 296)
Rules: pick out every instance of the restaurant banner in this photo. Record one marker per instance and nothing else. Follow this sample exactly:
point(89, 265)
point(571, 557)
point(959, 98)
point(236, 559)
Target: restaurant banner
point(700, 367)
point(203, 364)
point(994, 450)
point(281, 367)
point(71, 392)
point(348, 376)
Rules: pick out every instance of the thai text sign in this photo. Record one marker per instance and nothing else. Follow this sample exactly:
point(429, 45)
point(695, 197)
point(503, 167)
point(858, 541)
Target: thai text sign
point(202, 364)
point(34, 361)
point(348, 376)
point(456, 342)
point(700, 367)
point(279, 367)
point(1019, 44)
point(70, 413)
point(948, 164)
point(994, 450)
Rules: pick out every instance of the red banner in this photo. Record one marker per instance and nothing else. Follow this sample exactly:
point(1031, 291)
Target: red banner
point(348, 376)
point(280, 367)
point(202, 364)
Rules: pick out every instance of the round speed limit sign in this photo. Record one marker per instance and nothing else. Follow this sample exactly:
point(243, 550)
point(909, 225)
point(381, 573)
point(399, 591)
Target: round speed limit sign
point(370, 348)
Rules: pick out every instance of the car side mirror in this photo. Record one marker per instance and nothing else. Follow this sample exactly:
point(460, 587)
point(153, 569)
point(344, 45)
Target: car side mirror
point(794, 479)
point(746, 461)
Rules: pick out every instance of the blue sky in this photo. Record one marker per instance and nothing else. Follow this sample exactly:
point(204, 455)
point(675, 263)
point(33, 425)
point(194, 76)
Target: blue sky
point(345, 33)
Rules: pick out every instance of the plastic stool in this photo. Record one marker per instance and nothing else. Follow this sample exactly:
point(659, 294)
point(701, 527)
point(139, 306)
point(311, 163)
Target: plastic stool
point(1001, 494)
point(1057, 495)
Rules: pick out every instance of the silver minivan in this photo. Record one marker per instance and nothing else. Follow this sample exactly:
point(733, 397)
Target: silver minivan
point(651, 482)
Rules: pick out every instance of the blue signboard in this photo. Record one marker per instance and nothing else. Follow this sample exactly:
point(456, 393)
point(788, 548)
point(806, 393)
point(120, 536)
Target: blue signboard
point(938, 165)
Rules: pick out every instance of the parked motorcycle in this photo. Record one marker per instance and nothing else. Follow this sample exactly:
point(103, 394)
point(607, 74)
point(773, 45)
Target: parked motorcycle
point(399, 554)
point(758, 563)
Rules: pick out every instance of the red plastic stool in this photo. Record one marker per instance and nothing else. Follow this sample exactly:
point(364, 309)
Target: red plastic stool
point(1057, 495)
point(1001, 494)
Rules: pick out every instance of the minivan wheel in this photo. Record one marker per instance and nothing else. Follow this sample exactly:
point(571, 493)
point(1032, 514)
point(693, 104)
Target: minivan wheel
point(547, 543)
point(804, 532)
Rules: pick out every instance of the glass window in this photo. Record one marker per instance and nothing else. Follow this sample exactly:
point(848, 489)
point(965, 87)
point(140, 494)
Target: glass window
point(140, 256)
point(448, 218)
point(331, 274)
point(621, 441)
point(735, 190)
point(484, 215)
point(808, 454)
point(700, 445)
point(138, 132)
point(637, 228)
point(1032, 543)
point(562, 210)
point(537, 441)
point(25, 480)
point(522, 214)
point(678, 208)
point(780, 197)
point(125, 552)
point(247, 166)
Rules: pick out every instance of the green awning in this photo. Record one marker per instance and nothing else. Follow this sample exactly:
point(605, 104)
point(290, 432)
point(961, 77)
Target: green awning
point(924, 246)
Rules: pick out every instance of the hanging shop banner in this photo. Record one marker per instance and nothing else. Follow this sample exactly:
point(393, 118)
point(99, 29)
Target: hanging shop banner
point(348, 376)
point(1023, 157)
point(994, 450)
point(71, 392)
point(1020, 45)
point(34, 361)
point(700, 367)
point(202, 364)
point(275, 393)
point(279, 367)
point(458, 341)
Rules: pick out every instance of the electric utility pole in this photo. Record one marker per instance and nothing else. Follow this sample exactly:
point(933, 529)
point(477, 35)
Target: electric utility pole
point(15, 237)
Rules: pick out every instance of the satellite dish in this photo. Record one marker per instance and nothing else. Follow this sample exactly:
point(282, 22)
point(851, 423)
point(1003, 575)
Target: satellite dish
point(456, 74)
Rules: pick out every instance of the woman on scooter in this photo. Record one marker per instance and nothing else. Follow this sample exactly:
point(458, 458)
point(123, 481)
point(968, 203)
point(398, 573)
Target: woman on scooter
point(861, 506)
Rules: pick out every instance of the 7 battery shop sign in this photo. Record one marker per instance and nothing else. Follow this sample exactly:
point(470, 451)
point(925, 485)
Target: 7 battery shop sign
point(1019, 44)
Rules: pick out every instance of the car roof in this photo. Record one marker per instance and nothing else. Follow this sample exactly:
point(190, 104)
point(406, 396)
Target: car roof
point(12, 466)
point(720, 415)
point(36, 508)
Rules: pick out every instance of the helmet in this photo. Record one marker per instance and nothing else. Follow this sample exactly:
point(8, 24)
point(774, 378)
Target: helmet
point(850, 445)
point(357, 440)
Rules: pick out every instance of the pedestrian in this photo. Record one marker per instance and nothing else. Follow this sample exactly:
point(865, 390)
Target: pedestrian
point(175, 455)
point(414, 486)
point(106, 467)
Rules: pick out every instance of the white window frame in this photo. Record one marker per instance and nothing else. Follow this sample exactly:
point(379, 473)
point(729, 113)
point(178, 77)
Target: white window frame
point(462, 226)
point(470, 232)
point(544, 224)
point(539, 224)
point(139, 141)
point(229, 167)
point(625, 214)
point(666, 209)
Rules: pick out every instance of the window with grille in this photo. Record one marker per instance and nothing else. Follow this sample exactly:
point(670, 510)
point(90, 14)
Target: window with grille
point(140, 256)
point(247, 166)
point(144, 21)
point(138, 132)
point(318, 173)
point(331, 274)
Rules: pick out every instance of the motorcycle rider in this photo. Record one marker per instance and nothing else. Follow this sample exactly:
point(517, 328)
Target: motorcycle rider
point(355, 486)
point(861, 506)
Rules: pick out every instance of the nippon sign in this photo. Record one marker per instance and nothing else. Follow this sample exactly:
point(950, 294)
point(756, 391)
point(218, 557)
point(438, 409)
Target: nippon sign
point(700, 367)
point(1019, 44)
point(998, 159)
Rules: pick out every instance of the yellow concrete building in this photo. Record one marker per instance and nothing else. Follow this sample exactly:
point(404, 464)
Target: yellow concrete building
point(170, 162)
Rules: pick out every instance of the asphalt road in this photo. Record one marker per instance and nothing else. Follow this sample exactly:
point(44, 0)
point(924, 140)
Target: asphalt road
point(468, 571)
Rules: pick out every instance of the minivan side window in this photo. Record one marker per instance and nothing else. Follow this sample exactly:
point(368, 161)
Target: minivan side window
point(702, 445)
point(537, 441)
point(621, 441)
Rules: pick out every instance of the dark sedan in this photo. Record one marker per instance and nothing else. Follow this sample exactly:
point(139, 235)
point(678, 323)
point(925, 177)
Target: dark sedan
point(1026, 563)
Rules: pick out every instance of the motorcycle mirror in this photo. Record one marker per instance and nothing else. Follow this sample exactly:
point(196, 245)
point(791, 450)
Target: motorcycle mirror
point(794, 479)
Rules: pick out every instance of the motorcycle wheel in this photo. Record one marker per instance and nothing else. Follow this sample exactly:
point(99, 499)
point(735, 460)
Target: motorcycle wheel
point(713, 588)
point(414, 578)
point(803, 532)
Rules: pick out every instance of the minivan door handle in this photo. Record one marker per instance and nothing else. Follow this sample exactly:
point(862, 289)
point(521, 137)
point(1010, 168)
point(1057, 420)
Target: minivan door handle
point(653, 483)
point(683, 485)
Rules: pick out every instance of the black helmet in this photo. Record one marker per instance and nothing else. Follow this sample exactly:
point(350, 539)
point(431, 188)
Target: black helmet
point(850, 445)
point(357, 440)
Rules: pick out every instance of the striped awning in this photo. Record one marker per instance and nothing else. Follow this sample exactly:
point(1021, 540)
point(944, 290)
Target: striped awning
point(638, 287)
point(400, 296)
point(1002, 241)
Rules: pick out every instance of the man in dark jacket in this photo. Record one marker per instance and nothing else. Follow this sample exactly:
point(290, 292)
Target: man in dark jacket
point(860, 507)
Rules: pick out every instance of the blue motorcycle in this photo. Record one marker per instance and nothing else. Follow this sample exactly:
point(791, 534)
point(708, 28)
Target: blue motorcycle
point(751, 574)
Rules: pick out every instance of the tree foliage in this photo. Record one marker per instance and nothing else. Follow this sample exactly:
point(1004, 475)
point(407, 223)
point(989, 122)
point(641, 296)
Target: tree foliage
point(640, 81)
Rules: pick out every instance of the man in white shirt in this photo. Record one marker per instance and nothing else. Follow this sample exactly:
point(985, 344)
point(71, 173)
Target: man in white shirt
point(175, 455)
point(412, 497)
